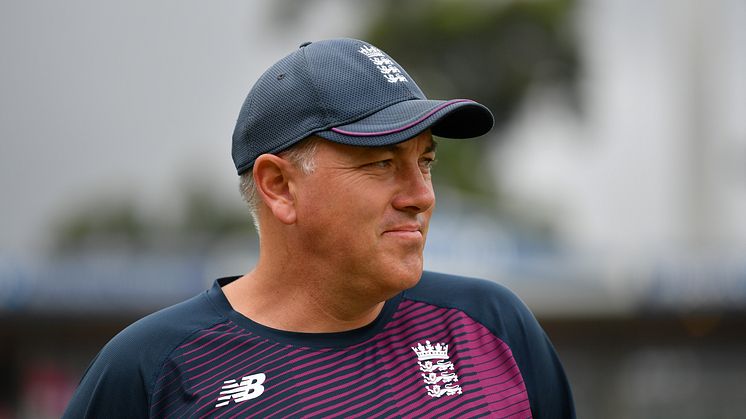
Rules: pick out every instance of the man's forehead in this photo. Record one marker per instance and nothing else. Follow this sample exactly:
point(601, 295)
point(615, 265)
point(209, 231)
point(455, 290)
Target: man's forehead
point(419, 145)
point(423, 143)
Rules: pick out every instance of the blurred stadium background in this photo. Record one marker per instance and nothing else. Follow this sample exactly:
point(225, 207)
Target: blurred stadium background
point(611, 196)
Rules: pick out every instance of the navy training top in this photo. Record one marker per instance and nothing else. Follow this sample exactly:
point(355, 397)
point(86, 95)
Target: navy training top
point(449, 347)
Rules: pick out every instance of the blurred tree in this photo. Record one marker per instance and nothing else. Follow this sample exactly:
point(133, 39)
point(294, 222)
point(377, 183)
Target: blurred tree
point(490, 51)
point(112, 221)
point(202, 220)
point(210, 217)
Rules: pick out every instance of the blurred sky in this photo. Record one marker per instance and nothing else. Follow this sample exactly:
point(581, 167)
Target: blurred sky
point(112, 100)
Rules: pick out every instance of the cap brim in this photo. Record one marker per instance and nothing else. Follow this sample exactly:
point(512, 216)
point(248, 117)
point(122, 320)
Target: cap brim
point(458, 118)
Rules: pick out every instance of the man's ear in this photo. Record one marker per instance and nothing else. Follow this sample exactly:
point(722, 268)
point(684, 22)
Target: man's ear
point(271, 176)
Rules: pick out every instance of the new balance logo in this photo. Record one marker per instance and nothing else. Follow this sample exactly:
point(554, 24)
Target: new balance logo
point(249, 388)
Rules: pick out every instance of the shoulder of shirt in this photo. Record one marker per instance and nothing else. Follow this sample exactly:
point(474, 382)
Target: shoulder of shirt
point(141, 348)
point(500, 311)
point(489, 303)
point(173, 323)
point(461, 292)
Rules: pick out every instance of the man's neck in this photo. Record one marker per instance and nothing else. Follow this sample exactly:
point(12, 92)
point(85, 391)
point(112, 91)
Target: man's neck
point(298, 302)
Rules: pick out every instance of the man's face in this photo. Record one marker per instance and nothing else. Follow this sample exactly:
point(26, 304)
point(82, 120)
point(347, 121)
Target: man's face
point(365, 211)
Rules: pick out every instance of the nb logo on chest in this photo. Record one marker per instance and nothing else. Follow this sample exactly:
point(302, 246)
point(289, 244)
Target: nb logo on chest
point(249, 388)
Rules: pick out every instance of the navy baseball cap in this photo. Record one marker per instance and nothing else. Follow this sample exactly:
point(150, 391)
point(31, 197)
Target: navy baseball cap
point(349, 92)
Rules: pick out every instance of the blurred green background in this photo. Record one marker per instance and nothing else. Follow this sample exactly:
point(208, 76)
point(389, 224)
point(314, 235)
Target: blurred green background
point(610, 195)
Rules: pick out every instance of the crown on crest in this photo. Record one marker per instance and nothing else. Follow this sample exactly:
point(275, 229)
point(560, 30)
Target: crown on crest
point(439, 351)
point(371, 51)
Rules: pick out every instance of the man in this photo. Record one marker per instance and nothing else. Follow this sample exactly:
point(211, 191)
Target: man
point(334, 145)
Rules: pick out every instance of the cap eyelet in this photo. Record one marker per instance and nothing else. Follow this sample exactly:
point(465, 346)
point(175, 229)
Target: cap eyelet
point(280, 76)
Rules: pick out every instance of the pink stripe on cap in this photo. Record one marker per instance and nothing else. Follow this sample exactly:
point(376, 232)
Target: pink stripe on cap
point(411, 124)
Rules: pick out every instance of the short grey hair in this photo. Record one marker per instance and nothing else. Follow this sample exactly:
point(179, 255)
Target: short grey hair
point(302, 155)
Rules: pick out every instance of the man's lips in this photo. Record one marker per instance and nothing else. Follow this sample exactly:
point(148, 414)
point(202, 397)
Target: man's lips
point(405, 231)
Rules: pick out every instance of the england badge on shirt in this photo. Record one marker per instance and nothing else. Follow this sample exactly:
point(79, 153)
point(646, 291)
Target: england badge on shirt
point(438, 372)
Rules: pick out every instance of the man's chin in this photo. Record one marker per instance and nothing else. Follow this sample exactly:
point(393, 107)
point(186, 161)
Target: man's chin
point(405, 276)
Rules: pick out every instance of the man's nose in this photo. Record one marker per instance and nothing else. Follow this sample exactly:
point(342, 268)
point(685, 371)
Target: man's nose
point(416, 193)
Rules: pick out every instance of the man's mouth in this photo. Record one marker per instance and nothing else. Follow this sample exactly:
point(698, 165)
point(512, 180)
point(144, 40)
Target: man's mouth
point(411, 231)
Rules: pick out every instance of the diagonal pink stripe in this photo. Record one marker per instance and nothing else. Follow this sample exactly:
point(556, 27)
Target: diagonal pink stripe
point(308, 389)
point(204, 333)
point(247, 364)
point(483, 361)
point(419, 390)
point(219, 335)
point(196, 387)
point(209, 332)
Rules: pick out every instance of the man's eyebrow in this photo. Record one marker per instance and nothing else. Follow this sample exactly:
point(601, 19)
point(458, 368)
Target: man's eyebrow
point(432, 147)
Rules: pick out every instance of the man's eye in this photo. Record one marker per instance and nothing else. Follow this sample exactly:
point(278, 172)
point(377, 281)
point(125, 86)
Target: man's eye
point(427, 163)
point(381, 164)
